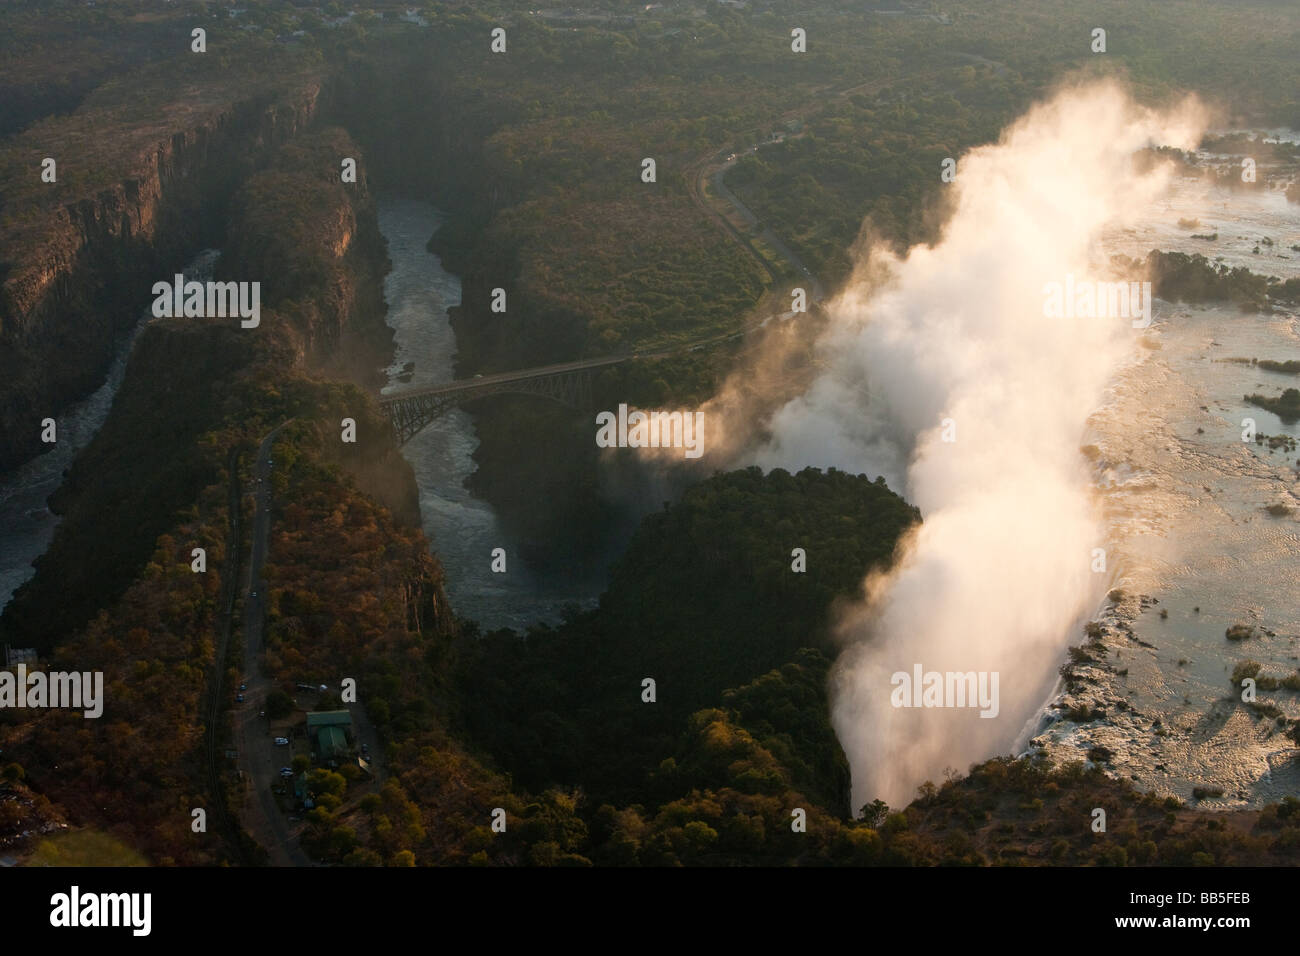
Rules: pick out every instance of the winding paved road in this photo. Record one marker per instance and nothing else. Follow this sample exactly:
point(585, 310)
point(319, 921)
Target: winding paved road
point(713, 166)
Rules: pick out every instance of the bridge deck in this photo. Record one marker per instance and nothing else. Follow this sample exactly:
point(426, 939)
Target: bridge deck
point(503, 378)
point(411, 409)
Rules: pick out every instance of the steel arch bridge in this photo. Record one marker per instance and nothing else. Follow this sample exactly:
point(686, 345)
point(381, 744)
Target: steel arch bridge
point(411, 409)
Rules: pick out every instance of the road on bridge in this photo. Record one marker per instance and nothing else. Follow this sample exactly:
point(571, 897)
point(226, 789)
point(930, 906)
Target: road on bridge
point(518, 375)
point(503, 378)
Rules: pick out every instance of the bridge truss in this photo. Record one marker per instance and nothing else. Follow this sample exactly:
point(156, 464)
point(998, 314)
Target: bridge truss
point(412, 410)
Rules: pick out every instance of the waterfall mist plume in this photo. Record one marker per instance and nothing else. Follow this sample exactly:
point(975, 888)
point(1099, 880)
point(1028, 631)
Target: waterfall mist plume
point(952, 341)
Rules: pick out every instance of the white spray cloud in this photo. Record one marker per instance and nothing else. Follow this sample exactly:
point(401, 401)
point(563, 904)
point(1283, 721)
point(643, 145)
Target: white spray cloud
point(999, 574)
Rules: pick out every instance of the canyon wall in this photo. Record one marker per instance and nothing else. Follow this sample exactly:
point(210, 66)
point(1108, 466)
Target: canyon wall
point(77, 264)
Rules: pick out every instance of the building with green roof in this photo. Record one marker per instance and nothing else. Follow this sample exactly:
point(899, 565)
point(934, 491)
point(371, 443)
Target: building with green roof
point(331, 745)
point(329, 731)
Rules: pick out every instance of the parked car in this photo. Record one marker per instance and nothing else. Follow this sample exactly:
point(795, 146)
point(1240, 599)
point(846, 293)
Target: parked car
point(243, 687)
point(286, 771)
point(239, 698)
point(282, 741)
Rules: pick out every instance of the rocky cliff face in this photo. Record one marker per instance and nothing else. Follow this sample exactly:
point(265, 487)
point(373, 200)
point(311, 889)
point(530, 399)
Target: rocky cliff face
point(75, 271)
point(313, 244)
point(427, 133)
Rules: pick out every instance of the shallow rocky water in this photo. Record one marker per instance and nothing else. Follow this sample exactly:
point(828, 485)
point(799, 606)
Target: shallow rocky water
point(1192, 547)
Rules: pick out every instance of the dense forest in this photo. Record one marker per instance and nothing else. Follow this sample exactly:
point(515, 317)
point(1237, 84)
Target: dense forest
point(704, 599)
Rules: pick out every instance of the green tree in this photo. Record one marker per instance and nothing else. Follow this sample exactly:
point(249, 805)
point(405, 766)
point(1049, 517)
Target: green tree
point(278, 705)
point(874, 813)
point(320, 782)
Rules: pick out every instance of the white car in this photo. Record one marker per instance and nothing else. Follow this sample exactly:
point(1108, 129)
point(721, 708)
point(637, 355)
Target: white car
point(286, 772)
point(282, 741)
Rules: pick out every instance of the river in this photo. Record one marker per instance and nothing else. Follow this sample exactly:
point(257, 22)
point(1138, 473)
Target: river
point(463, 530)
point(25, 517)
point(1197, 550)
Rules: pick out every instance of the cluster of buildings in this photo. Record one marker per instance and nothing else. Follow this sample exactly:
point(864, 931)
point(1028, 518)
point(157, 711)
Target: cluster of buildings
point(333, 744)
